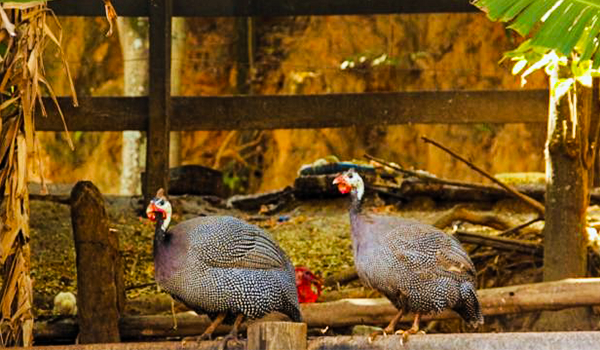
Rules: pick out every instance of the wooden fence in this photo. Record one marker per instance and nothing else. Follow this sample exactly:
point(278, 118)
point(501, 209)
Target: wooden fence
point(158, 113)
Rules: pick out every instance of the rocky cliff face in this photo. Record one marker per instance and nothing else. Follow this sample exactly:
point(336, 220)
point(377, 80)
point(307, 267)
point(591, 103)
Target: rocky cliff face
point(304, 55)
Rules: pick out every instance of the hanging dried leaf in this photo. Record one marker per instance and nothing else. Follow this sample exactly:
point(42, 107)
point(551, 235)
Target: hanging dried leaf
point(111, 16)
point(6, 23)
point(21, 87)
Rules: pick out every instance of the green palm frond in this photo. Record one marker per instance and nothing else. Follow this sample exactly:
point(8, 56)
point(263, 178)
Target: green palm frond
point(561, 25)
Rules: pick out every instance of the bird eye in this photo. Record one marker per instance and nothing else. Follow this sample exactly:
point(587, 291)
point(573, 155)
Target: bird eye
point(161, 202)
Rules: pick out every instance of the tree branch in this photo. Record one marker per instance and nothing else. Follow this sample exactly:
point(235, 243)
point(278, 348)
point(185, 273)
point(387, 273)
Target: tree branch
point(530, 201)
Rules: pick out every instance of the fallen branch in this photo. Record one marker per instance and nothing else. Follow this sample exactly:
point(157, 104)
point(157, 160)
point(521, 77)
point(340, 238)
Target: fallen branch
point(555, 295)
point(532, 202)
point(500, 243)
point(431, 178)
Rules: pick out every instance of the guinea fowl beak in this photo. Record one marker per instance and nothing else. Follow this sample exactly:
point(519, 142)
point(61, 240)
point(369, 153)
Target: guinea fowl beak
point(342, 183)
point(151, 211)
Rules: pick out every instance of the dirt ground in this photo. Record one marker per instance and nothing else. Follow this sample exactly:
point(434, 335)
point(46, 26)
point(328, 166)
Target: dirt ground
point(314, 233)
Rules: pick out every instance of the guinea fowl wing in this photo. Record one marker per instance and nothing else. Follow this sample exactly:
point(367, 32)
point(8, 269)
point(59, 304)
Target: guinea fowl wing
point(244, 246)
point(429, 250)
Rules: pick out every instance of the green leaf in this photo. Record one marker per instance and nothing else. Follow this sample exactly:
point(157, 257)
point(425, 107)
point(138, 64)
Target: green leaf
point(565, 26)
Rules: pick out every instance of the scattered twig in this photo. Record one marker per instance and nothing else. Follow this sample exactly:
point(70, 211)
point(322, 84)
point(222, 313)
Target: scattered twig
point(519, 227)
point(532, 202)
point(139, 286)
point(430, 178)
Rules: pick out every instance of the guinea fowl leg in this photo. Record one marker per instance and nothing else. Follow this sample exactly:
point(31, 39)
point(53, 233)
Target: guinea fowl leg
point(390, 327)
point(413, 330)
point(209, 331)
point(233, 335)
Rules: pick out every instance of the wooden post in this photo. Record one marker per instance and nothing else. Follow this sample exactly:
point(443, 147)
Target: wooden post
point(100, 291)
point(157, 151)
point(277, 336)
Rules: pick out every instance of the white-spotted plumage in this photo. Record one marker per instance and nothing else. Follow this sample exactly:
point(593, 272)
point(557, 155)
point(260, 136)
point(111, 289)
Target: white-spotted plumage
point(221, 264)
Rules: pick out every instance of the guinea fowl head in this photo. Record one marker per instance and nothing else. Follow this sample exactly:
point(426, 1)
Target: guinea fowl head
point(350, 181)
point(160, 205)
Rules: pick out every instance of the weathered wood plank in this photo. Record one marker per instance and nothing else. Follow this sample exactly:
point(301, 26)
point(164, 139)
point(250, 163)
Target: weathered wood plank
point(159, 98)
point(141, 8)
point(305, 111)
point(464, 341)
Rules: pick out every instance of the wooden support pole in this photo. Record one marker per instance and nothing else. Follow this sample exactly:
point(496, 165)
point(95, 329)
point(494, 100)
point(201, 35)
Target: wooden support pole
point(100, 290)
point(157, 151)
point(277, 336)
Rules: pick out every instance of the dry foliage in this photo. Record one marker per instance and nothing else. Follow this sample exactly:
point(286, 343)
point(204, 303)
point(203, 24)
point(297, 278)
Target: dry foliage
point(22, 44)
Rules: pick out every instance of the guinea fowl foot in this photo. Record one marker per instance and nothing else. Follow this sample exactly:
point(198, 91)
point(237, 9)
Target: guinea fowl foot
point(228, 338)
point(387, 330)
point(412, 330)
point(207, 335)
point(233, 335)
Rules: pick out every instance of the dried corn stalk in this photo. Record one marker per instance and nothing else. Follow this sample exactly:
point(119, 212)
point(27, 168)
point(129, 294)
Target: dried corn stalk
point(23, 38)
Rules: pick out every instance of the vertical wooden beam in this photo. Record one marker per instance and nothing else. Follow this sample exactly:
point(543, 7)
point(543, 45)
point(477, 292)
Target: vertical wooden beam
point(245, 44)
point(157, 150)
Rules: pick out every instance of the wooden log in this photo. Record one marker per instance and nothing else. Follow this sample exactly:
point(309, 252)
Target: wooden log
point(256, 201)
point(277, 336)
point(159, 99)
point(172, 345)
point(348, 312)
point(100, 289)
point(289, 111)
point(414, 188)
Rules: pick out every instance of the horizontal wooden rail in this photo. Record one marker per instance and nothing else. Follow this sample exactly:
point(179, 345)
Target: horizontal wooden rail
point(267, 8)
point(305, 111)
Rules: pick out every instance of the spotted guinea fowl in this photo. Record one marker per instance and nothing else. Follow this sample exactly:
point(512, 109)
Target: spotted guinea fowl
point(222, 266)
point(418, 267)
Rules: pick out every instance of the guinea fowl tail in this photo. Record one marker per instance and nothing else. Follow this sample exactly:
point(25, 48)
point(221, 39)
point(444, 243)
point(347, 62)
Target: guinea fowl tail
point(295, 314)
point(469, 308)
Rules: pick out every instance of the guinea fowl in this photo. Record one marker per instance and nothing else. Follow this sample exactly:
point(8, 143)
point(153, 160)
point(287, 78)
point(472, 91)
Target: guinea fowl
point(418, 267)
point(222, 266)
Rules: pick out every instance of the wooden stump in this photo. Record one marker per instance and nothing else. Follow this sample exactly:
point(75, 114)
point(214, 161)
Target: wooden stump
point(100, 290)
point(277, 336)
